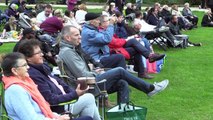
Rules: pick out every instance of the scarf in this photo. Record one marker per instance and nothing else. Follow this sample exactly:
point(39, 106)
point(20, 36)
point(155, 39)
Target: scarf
point(30, 87)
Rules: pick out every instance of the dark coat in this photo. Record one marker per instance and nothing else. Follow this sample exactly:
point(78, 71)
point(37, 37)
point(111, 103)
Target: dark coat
point(209, 3)
point(129, 11)
point(206, 21)
point(152, 20)
point(51, 93)
point(166, 15)
point(174, 28)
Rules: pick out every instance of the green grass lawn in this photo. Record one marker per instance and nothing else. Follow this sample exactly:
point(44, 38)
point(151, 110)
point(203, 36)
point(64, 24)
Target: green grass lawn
point(189, 94)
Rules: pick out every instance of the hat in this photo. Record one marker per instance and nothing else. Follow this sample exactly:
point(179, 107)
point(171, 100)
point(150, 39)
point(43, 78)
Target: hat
point(91, 16)
point(27, 31)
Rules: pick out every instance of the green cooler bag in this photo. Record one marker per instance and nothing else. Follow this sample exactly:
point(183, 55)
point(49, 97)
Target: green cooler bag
point(127, 112)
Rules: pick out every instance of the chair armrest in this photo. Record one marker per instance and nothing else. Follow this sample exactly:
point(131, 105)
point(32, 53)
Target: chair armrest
point(65, 103)
point(102, 81)
point(6, 117)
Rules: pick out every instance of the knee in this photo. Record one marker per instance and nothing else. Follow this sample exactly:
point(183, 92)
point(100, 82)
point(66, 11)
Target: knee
point(88, 97)
point(120, 57)
point(120, 69)
point(123, 84)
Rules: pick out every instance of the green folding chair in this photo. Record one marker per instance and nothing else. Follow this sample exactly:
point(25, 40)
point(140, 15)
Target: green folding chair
point(3, 112)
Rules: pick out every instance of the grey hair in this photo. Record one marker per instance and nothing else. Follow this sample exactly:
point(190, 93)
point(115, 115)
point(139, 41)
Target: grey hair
point(87, 22)
point(102, 18)
point(66, 30)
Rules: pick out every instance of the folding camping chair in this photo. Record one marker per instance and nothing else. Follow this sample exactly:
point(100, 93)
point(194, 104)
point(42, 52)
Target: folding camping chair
point(158, 38)
point(100, 94)
point(3, 112)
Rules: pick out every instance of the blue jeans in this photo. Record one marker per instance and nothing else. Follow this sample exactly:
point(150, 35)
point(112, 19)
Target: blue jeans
point(138, 64)
point(138, 47)
point(83, 118)
point(113, 61)
point(118, 80)
point(146, 43)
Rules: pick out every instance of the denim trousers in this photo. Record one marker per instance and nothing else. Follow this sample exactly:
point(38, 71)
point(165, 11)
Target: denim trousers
point(135, 60)
point(136, 49)
point(140, 49)
point(114, 60)
point(118, 80)
point(146, 43)
point(85, 106)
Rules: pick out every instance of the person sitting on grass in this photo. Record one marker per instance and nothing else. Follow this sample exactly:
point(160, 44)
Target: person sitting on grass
point(175, 29)
point(46, 13)
point(187, 13)
point(20, 87)
point(10, 26)
point(207, 20)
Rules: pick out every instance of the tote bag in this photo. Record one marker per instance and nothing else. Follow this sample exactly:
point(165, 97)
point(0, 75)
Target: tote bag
point(127, 112)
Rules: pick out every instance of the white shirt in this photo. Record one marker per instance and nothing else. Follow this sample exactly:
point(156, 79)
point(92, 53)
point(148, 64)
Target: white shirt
point(41, 17)
point(71, 21)
point(145, 26)
point(80, 16)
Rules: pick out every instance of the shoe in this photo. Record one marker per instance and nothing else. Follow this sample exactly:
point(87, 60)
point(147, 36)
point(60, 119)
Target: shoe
point(158, 87)
point(197, 44)
point(190, 45)
point(154, 57)
point(130, 68)
point(145, 76)
point(177, 42)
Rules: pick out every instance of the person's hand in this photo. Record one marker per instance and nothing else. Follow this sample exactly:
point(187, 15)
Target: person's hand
point(79, 91)
point(63, 117)
point(136, 36)
point(113, 19)
point(99, 70)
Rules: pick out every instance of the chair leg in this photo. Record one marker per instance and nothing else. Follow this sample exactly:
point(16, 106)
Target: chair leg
point(101, 100)
point(161, 45)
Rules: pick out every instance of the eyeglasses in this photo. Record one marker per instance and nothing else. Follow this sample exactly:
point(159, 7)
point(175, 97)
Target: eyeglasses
point(24, 65)
point(39, 52)
point(106, 20)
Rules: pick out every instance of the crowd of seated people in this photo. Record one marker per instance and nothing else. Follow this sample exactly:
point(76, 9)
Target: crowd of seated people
point(84, 35)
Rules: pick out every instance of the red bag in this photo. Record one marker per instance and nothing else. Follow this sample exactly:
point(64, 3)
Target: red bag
point(156, 66)
point(151, 67)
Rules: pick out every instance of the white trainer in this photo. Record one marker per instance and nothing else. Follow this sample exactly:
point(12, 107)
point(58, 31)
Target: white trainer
point(160, 86)
point(130, 68)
